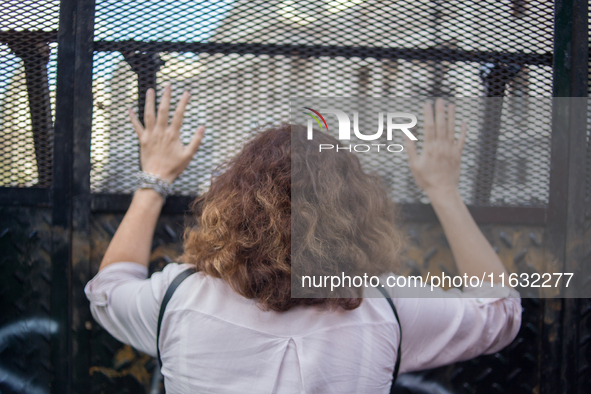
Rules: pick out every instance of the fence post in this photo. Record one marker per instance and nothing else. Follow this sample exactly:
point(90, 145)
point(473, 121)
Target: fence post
point(566, 207)
point(83, 94)
point(71, 197)
point(61, 199)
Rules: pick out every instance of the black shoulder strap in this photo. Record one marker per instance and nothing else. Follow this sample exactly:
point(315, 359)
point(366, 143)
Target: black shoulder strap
point(169, 292)
point(188, 272)
point(398, 353)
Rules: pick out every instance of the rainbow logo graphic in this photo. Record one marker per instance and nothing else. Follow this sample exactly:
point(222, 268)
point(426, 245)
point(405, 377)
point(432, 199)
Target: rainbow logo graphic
point(315, 118)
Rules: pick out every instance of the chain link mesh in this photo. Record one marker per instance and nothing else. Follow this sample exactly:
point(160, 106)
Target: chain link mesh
point(28, 49)
point(503, 163)
point(243, 61)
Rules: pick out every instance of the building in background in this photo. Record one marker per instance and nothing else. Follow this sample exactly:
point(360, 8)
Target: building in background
point(235, 93)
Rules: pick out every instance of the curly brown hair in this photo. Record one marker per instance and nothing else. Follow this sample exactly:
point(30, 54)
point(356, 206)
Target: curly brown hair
point(280, 205)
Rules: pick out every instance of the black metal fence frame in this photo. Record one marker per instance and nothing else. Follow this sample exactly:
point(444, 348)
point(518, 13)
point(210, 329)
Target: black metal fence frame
point(72, 202)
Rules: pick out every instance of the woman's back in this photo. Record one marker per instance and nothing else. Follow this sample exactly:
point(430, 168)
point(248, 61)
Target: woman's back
point(214, 340)
point(278, 212)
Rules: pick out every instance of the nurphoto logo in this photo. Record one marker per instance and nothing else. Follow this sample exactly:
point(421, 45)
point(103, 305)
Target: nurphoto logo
point(393, 122)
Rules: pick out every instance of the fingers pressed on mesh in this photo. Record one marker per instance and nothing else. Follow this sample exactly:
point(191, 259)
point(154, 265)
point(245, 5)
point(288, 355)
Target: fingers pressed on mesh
point(440, 125)
point(451, 122)
point(462, 138)
point(149, 117)
point(429, 122)
point(137, 125)
point(196, 140)
point(179, 113)
point(164, 107)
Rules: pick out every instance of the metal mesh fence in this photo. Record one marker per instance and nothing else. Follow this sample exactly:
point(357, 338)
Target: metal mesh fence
point(243, 60)
point(28, 49)
point(505, 161)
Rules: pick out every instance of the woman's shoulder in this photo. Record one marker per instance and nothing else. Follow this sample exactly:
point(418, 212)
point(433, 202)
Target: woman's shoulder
point(161, 280)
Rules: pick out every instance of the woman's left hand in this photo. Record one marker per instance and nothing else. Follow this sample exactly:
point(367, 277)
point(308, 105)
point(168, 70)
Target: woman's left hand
point(162, 152)
point(437, 169)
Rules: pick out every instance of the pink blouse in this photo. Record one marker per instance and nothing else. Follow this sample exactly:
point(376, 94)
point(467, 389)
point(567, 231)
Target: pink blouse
point(215, 341)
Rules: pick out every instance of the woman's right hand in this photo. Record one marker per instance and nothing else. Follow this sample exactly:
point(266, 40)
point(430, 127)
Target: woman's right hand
point(162, 152)
point(437, 172)
point(437, 169)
